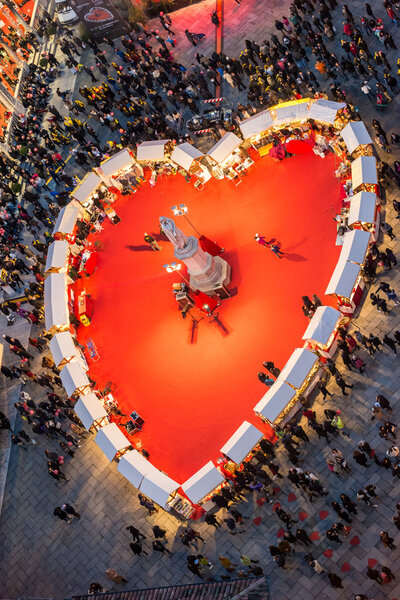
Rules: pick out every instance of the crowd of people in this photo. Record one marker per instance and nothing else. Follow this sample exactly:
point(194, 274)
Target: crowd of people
point(138, 91)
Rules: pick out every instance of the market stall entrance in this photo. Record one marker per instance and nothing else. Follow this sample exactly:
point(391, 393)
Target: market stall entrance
point(193, 396)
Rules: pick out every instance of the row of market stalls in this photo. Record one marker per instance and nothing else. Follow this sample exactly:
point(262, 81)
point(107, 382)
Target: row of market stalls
point(303, 369)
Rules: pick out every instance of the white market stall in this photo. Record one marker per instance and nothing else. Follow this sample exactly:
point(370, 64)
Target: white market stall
point(120, 164)
point(57, 257)
point(345, 285)
point(322, 328)
point(363, 173)
point(111, 441)
point(228, 159)
point(152, 151)
point(56, 303)
point(134, 466)
point(224, 147)
point(290, 112)
point(242, 442)
point(255, 126)
point(355, 246)
point(203, 483)
point(63, 349)
point(325, 111)
point(354, 135)
point(66, 220)
point(279, 398)
point(362, 209)
point(74, 379)
point(85, 189)
point(159, 487)
point(300, 366)
point(91, 412)
point(186, 156)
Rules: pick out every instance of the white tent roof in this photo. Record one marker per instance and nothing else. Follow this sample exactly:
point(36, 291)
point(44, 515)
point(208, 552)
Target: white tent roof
point(153, 150)
point(111, 440)
point(203, 482)
point(355, 134)
point(86, 187)
point(343, 279)
point(355, 246)
point(362, 208)
point(56, 300)
point(116, 162)
point(67, 218)
point(134, 466)
point(62, 347)
point(322, 325)
point(224, 147)
point(298, 367)
point(184, 155)
point(89, 409)
point(324, 110)
point(158, 487)
point(363, 170)
point(256, 124)
point(242, 442)
point(73, 377)
point(57, 255)
point(275, 400)
point(294, 112)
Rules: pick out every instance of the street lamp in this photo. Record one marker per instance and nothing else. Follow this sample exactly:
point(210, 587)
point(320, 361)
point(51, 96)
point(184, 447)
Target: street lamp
point(181, 210)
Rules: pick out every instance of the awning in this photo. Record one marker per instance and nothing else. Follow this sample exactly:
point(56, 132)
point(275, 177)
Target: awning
point(86, 187)
point(184, 155)
point(67, 218)
point(151, 151)
point(158, 487)
point(362, 208)
point(111, 440)
point(57, 256)
point(298, 367)
point(322, 325)
point(115, 163)
point(343, 279)
point(134, 466)
point(363, 170)
point(355, 246)
point(74, 378)
point(275, 400)
point(202, 483)
point(56, 301)
point(62, 348)
point(289, 112)
point(89, 409)
point(325, 110)
point(224, 147)
point(256, 124)
point(242, 442)
point(355, 134)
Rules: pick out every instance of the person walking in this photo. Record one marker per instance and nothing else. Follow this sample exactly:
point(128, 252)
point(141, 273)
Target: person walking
point(115, 577)
point(342, 384)
point(303, 537)
point(226, 563)
point(137, 548)
point(374, 575)
point(61, 514)
point(387, 540)
point(147, 504)
point(335, 581)
point(136, 534)
point(158, 532)
point(159, 547)
point(211, 519)
point(70, 510)
point(348, 504)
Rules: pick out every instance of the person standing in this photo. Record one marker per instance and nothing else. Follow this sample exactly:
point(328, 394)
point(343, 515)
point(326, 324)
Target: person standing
point(115, 577)
point(159, 547)
point(335, 580)
point(137, 548)
point(342, 384)
point(136, 534)
point(61, 514)
point(151, 240)
point(387, 540)
point(215, 18)
point(70, 510)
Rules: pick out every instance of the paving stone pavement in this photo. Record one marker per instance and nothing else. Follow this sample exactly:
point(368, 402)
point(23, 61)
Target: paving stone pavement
point(44, 557)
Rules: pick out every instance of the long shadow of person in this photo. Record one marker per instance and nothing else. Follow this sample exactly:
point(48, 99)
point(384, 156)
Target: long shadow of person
point(294, 257)
point(140, 248)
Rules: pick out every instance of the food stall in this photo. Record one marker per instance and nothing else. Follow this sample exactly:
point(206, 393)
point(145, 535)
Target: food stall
point(122, 164)
point(160, 488)
point(326, 111)
point(74, 379)
point(364, 176)
point(90, 410)
point(63, 349)
point(200, 487)
point(134, 466)
point(57, 257)
point(242, 442)
point(188, 157)
point(300, 371)
point(152, 151)
point(320, 334)
point(64, 229)
point(364, 213)
point(355, 246)
point(255, 129)
point(294, 111)
point(56, 303)
point(346, 285)
point(357, 138)
point(228, 159)
point(84, 191)
point(277, 403)
point(112, 442)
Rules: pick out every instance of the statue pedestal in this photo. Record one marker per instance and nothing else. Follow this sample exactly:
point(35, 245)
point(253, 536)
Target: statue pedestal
point(220, 275)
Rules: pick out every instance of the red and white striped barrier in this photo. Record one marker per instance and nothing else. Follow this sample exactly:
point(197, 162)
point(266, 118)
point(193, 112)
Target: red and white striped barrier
point(212, 100)
point(202, 131)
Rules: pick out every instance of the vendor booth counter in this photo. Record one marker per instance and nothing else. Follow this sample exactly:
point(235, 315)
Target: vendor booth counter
point(90, 410)
point(355, 246)
point(119, 166)
point(66, 221)
point(364, 213)
point(190, 159)
point(239, 446)
point(357, 139)
point(346, 285)
point(280, 397)
point(326, 111)
point(57, 257)
point(153, 151)
point(228, 159)
point(112, 442)
point(204, 484)
point(56, 303)
point(321, 333)
point(364, 176)
point(63, 349)
point(74, 379)
point(85, 189)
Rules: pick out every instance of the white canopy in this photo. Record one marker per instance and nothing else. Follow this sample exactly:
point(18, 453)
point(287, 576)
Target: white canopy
point(184, 155)
point(256, 124)
point(322, 324)
point(118, 161)
point(355, 246)
point(274, 401)
point(355, 134)
point(343, 279)
point(67, 218)
point(63, 348)
point(324, 110)
point(289, 112)
point(134, 466)
point(298, 367)
point(74, 378)
point(111, 440)
point(242, 442)
point(158, 487)
point(362, 208)
point(56, 301)
point(363, 170)
point(86, 187)
point(57, 255)
point(153, 150)
point(224, 147)
point(89, 409)
point(202, 483)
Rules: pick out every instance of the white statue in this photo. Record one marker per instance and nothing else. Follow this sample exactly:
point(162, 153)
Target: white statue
point(175, 235)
